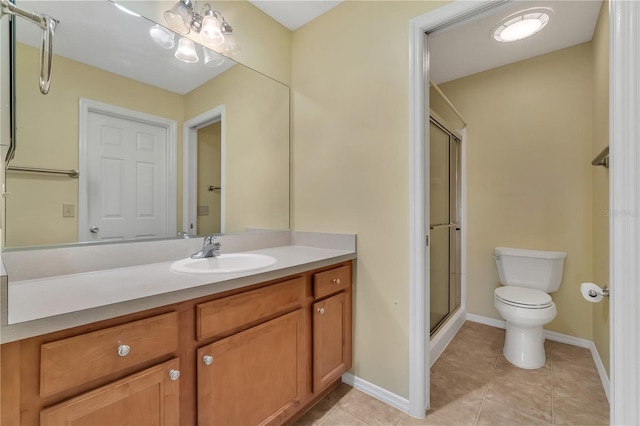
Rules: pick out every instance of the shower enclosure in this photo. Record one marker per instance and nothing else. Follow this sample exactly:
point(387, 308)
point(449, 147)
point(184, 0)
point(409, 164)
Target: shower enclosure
point(445, 224)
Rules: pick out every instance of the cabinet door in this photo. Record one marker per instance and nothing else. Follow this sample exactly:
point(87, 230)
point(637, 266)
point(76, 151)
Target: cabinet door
point(331, 339)
point(150, 397)
point(252, 377)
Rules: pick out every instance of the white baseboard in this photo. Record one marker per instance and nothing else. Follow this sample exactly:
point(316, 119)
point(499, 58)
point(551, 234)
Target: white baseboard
point(377, 392)
point(557, 337)
point(443, 337)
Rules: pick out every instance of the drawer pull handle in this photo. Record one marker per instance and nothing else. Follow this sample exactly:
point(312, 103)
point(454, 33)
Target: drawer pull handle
point(207, 359)
point(321, 311)
point(123, 350)
point(174, 375)
point(336, 281)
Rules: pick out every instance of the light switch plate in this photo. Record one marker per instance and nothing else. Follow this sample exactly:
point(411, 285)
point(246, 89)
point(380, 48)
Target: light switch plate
point(68, 210)
point(203, 210)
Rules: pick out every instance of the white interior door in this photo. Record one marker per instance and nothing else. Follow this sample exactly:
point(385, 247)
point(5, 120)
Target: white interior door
point(126, 178)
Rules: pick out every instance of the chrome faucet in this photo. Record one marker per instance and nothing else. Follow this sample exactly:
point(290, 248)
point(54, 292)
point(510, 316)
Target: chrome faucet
point(210, 248)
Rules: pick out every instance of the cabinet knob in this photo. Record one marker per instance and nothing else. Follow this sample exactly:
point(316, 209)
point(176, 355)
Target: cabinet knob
point(336, 281)
point(123, 350)
point(174, 375)
point(321, 311)
point(207, 359)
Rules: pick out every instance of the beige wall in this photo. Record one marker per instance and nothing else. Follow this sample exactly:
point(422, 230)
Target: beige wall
point(350, 159)
point(600, 177)
point(256, 150)
point(529, 173)
point(47, 135)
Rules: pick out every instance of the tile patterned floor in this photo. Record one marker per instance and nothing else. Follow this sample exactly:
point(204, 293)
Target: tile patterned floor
point(473, 384)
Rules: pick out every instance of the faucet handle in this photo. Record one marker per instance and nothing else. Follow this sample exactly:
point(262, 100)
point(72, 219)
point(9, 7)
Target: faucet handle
point(211, 239)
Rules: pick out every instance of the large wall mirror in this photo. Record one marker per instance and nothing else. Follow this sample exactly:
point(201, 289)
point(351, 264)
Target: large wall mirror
point(162, 146)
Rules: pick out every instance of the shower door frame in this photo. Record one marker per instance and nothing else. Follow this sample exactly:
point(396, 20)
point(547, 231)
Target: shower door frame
point(455, 226)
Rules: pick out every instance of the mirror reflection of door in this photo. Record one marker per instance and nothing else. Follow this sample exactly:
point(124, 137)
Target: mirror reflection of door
point(209, 182)
point(125, 170)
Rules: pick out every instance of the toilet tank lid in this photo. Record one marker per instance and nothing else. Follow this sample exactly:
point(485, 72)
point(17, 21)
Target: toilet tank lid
point(506, 251)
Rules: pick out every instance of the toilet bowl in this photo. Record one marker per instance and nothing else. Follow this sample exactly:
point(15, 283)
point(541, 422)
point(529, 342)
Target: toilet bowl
point(526, 311)
point(527, 277)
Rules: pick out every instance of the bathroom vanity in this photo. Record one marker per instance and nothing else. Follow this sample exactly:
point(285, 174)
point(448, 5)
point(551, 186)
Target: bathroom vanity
point(261, 348)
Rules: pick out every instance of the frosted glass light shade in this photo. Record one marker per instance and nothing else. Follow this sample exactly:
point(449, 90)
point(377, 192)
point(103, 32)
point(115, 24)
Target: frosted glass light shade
point(179, 18)
point(187, 51)
point(210, 32)
point(163, 37)
point(212, 59)
point(519, 27)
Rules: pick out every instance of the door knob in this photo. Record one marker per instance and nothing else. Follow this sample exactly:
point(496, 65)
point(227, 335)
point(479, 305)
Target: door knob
point(94, 229)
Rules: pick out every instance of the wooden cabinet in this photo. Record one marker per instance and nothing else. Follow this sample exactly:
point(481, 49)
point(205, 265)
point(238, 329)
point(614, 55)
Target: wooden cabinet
point(252, 356)
point(150, 397)
point(70, 362)
point(331, 340)
point(331, 328)
point(253, 377)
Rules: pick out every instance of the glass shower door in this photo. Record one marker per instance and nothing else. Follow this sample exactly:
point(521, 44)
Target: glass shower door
point(444, 227)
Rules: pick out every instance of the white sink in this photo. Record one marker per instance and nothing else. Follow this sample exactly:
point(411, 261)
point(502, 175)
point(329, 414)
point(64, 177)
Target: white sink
point(224, 264)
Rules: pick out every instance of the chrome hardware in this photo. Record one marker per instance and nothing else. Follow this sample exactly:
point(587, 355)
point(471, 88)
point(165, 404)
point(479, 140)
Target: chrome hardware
point(184, 235)
point(207, 360)
point(174, 375)
point(336, 281)
point(210, 247)
point(94, 229)
point(604, 293)
point(321, 311)
point(123, 350)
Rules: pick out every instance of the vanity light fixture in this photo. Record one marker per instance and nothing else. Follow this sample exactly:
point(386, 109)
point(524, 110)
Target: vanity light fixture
point(521, 25)
point(208, 23)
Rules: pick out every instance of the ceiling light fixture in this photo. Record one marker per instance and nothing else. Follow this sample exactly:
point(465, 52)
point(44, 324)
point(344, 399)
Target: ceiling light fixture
point(208, 23)
point(163, 37)
point(521, 25)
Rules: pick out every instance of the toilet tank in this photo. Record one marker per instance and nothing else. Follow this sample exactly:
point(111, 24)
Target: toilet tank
point(541, 270)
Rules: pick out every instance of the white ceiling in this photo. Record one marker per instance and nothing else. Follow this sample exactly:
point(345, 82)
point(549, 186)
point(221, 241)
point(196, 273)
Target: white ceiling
point(294, 13)
point(468, 47)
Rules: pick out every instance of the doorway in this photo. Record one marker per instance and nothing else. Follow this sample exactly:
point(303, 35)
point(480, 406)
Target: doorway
point(445, 222)
point(203, 173)
point(208, 179)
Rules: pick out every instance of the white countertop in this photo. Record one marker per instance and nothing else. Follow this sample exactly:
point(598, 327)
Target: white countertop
point(43, 305)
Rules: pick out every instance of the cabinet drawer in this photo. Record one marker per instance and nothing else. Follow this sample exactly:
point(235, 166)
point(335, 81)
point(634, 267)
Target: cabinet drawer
point(332, 281)
point(219, 316)
point(80, 359)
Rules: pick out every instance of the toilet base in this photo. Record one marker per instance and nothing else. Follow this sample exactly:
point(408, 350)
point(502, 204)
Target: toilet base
point(524, 346)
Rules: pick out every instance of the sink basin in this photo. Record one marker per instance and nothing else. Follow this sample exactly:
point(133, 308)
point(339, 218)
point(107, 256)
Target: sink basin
point(224, 264)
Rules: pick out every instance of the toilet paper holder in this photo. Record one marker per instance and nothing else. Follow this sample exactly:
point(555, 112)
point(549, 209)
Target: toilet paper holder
point(603, 293)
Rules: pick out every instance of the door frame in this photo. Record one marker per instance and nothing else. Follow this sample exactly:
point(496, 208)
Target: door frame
point(624, 189)
point(171, 129)
point(190, 166)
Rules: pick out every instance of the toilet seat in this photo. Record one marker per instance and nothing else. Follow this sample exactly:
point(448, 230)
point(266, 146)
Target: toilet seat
point(526, 298)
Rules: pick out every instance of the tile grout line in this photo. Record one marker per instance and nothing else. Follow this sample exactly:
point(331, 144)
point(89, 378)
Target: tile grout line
point(486, 391)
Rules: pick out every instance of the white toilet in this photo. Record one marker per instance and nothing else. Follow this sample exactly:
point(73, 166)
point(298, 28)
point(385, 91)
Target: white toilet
point(527, 276)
